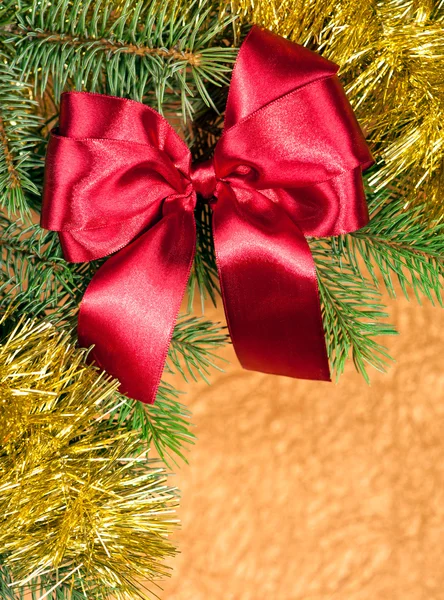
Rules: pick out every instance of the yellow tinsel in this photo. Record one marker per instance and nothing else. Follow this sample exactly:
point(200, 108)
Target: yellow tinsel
point(80, 504)
point(391, 54)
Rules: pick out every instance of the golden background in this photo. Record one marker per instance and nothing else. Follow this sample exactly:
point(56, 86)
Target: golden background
point(301, 490)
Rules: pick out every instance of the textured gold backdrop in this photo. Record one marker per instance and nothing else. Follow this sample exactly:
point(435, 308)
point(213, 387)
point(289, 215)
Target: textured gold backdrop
point(299, 490)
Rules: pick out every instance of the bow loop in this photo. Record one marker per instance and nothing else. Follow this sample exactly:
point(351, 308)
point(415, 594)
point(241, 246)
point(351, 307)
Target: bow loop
point(269, 67)
point(109, 166)
point(288, 165)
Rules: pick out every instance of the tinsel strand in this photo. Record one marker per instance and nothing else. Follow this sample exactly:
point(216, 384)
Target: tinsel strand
point(78, 495)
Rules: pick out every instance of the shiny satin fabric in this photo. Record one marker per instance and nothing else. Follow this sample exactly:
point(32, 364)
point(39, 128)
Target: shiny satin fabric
point(288, 165)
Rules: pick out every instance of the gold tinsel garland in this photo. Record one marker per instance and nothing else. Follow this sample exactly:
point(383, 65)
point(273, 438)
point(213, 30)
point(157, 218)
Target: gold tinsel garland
point(80, 503)
point(391, 54)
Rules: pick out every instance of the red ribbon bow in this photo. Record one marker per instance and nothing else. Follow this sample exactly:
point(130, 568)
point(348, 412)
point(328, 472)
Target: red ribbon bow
point(288, 165)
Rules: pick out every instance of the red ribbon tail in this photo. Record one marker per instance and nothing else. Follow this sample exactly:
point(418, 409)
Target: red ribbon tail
point(131, 305)
point(269, 286)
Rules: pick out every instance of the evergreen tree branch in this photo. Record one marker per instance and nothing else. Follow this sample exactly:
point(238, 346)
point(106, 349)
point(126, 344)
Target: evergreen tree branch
point(165, 424)
point(6, 591)
point(352, 313)
point(105, 45)
point(126, 50)
point(398, 244)
point(19, 128)
point(64, 588)
point(35, 274)
point(192, 347)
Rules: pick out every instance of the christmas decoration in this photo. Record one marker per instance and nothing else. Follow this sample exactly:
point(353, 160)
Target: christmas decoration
point(176, 57)
point(288, 164)
point(389, 51)
point(78, 494)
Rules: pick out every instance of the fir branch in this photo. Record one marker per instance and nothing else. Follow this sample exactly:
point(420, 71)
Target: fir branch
point(352, 313)
point(398, 244)
point(112, 46)
point(126, 50)
point(35, 274)
point(19, 127)
point(164, 424)
point(6, 590)
point(8, 9)
point(192, 347)
point(73, 587)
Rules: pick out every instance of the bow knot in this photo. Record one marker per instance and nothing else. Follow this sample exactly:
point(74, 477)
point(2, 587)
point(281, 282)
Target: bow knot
point(288, 166)
point(203, 178)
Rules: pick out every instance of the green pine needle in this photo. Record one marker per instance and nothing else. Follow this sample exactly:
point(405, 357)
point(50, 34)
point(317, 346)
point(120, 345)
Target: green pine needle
point(352, 312)
point(35, 275)
point(164, 424)
point(192, 347)
point(125, 50)
point(399, 244)
point(6, 591)
point(19, 127)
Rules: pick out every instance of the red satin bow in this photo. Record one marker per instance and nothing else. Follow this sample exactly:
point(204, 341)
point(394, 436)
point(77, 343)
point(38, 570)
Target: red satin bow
point(288, 165)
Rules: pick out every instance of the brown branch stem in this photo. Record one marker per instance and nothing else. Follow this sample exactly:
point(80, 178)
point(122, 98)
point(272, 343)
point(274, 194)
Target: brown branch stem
point(9, 159)
point(399, 246)
point(113, 46)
